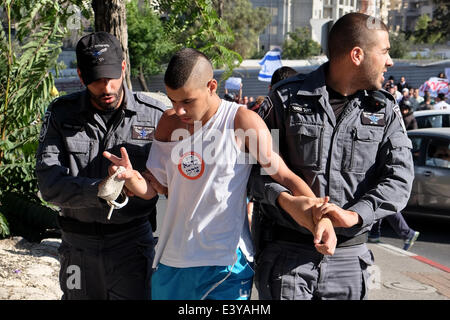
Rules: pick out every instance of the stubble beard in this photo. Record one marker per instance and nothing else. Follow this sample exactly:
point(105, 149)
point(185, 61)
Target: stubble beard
point(107, 106)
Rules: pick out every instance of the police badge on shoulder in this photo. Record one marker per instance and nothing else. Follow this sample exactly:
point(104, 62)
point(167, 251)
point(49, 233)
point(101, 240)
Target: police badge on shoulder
point(44, 127)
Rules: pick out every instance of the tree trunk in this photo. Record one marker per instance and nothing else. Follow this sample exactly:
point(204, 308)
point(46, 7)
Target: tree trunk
point(110, 16)
point(142, 80)
point(220, 8)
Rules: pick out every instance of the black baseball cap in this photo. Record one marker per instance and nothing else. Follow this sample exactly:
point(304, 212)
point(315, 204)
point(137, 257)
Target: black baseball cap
point(99, 55)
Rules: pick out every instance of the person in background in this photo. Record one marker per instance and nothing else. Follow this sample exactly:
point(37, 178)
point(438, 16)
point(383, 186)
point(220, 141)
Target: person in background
point(390, 83)
point(440, 103)
point(254, 106)
point(402, 84)
point(409, 120)
point(415, 100)
point(401, 228)
point(426, 104)
point(405, 95)
point(281, 74)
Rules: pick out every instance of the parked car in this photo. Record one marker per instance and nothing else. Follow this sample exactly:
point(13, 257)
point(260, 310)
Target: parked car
point(431, 187)
point(432, 118)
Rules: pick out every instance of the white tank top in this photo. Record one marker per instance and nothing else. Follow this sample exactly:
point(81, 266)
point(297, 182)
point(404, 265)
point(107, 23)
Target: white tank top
point(206, 174)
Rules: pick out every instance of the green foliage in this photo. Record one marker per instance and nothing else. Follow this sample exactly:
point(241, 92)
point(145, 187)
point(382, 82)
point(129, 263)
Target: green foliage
point(148, 45)
point(26, 83)
point(299, 45)
point(246, 24)
point(440, 25)
point(436, 30)
point(4, 227)
point(422, 34)
point(399, 45)
point(195, 24)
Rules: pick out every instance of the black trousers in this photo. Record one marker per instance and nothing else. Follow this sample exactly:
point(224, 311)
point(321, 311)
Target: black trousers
point(107, 267)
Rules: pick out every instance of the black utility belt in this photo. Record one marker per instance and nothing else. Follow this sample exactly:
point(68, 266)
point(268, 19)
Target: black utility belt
point(290, 235)
point(96, 228)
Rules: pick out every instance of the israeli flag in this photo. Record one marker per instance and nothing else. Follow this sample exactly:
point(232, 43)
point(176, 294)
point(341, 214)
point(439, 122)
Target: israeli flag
point(270, 63)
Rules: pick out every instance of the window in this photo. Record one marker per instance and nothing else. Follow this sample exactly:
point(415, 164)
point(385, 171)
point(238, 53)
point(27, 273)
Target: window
point(416, 143)
point(435, 121)
point(273, 30)
point(438, 154)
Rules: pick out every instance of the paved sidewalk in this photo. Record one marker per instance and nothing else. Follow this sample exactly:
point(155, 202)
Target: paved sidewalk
point(401, 275)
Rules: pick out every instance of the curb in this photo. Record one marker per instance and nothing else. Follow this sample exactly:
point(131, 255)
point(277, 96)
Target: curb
point(401, 252)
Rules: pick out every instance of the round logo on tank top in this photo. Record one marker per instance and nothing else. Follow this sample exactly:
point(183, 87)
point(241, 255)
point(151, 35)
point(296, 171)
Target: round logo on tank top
point(191, 165)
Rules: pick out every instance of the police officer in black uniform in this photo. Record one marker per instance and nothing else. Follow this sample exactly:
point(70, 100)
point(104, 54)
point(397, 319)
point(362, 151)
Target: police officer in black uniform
point(100, 258)
point(344, 136)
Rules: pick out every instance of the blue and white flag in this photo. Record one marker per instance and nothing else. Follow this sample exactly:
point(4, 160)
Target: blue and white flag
point(270, 63)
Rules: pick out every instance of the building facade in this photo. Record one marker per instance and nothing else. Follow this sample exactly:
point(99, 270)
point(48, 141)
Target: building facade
point(404, 14)
point(317, 15)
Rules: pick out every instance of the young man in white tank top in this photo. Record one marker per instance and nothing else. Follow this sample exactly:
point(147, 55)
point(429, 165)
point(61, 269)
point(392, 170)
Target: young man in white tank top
point(199, 158)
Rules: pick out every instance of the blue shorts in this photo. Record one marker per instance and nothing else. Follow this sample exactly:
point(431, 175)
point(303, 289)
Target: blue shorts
point(232, 282)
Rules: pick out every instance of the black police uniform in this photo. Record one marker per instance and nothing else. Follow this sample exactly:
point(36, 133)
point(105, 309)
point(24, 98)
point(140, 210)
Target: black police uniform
point(362, 160)
point(100, 258)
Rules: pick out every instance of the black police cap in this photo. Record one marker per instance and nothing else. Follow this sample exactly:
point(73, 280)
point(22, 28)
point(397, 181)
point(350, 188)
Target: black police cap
point(99, 55)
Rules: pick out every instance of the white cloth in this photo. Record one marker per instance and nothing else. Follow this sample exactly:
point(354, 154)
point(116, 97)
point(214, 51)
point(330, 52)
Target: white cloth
point(441, 105)
point(434, 86)
point(206, 174)
point(233, 83)
point(269, 63)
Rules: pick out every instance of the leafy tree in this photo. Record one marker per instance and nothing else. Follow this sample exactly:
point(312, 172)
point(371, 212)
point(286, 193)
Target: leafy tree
point(26, 83)
point(399, 45)
point(440, 25)
point(299, 45)
point(30, 42)
point(246, 24)
point(196, 24)
point(422, 33)
point(148, 43)
point(436, 30)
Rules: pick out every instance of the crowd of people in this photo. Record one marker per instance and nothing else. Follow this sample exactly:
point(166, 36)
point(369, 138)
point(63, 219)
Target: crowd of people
point(410, 97)
point(407, 97)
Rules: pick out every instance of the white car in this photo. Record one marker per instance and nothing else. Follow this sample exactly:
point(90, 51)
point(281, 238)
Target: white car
point(432, 118)
point(430, 193)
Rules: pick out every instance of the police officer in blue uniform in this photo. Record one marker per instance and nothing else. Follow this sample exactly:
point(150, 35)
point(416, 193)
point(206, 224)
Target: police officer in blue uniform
point(344, 136)
point(100, 258)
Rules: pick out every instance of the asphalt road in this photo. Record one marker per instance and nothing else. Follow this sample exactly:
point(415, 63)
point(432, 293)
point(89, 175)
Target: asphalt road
point(433, 242)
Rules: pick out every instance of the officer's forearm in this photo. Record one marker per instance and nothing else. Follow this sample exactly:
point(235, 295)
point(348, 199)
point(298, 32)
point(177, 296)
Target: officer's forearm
point(67, 191)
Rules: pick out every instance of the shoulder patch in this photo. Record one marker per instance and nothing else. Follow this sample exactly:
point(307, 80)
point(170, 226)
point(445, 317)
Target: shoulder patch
point(265, 108)
point(45, 124)
point(158, 101)
point(399, 116)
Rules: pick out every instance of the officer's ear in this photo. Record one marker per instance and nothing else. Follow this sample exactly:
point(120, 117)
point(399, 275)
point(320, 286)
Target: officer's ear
point(124, 67)
point(79, 76)
point(357, 56)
